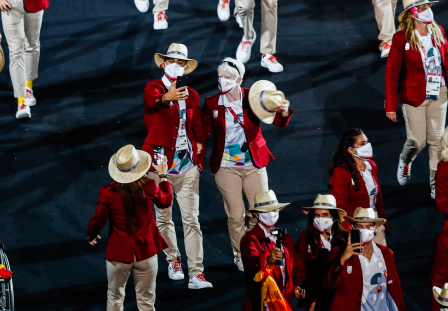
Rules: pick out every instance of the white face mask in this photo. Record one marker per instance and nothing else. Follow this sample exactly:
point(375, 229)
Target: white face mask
point(365, 152)
point(226, 85)
point(425, 17)
point(366, 235)
point(269, 219)
point(172, 71)
point(322, 224)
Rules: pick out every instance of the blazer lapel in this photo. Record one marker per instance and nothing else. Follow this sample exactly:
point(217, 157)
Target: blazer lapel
point(221, 114)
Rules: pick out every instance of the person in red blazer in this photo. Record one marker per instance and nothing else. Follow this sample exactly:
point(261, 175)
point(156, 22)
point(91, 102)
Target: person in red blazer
point(419, 51)
point(354, 178)
point(134, 239)
point(173, 122)
point(240, 154)
point(369, 278)
point(22, 21)
point(439, 269)
point(442, 180)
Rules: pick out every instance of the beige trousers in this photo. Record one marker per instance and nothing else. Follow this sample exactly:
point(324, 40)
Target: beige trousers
point(160, 6)
point(231, 183)
point(22, 32)
point(268, 36)
point(145, 273)
point(425, 123)
point(380, 237)
point(385, 18)
point(186, 189)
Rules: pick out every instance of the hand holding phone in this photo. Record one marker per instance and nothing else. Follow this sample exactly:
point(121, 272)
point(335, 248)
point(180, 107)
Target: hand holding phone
point(352, 248)
point(356, 238)
point(182, 82)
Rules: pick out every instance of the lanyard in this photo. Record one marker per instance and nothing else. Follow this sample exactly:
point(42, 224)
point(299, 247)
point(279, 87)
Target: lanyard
point(436, 57)
point(236, 117)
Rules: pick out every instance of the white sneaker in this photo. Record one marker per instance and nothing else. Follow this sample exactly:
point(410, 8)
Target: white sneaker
point(23, 111)
point(385, 49)
point(433, 193)
point(403, 172)
point(175, 271)
point(223, 10)
point(198, 282)
point(142, 5)
point(238, 263)
point(30, 100)
point(245, 48)
point(160, 21)
point(270, 61)
point(238, 20)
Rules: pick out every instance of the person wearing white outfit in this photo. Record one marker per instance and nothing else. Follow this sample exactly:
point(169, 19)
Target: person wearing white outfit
point(160, 7)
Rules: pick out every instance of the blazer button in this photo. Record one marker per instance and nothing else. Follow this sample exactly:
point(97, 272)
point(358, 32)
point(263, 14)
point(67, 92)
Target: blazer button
point(172, 148)
point(360, 293)
point(174, 138)
point(175, 128)
point(359, 303)
point(247, 132)
point(250, 144)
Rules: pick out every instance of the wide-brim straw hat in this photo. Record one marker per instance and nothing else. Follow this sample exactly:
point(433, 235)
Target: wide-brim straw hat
point(129, 164)
point(265, 100)
point(179, 51)
point(325, 201)
point(265, 202)
point(409, 4)
point(2, 59)
point(441, 295)
point(365, 215)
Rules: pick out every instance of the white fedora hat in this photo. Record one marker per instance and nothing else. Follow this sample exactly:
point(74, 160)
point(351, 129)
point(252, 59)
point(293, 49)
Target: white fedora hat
point(325, 201)
point(409, 4)
point(179, 51)
point(265, 100)
point(441, 295)
point(129, 164)
point(362, 214)
point(265, 202)
point(2, 59)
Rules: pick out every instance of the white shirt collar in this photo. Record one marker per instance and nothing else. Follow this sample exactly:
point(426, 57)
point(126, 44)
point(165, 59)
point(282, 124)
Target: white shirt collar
point(224, 101)
point(273, 238)
point(166, 82)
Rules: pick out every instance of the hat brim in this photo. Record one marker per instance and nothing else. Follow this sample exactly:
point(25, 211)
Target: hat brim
point(254, 100)
point(2, 59)
point(135, 174)
point(340, 211)
point(377, 221)
point(267, 208)
point(400, 17)
point(191, 63)
point(436, 291)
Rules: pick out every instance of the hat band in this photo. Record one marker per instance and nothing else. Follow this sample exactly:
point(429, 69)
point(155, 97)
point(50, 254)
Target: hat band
point(324, 204)
point(131, 168)
point(262, 104)
point(364, 218)
point(443, 299)
point(415, 4)
point(266, 203)
point(176, 52)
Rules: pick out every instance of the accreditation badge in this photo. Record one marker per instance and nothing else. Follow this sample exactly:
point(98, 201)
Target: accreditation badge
point(433, 81)
point(215, 114)
point(349, 269)
point(407, 46)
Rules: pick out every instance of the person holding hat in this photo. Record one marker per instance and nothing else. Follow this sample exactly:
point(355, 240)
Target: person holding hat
point(134, 239)
point(367, 280)
point(416, 69)
point(354, 178)
point(240, 155)
point(173, 122)
point(22, 20)
point(441, 296)
point(259, 245)
point(439, 272)
point(324, 232)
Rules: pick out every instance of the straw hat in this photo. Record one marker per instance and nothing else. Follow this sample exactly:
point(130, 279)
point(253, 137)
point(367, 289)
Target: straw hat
point(2, 59)
point(235, 63)
point(365, 215)
point(441, 295)
point(129, 164)
point(265, 100)
point(409, 4)
point(179, 51)
point(265, 202)
point(325, 201)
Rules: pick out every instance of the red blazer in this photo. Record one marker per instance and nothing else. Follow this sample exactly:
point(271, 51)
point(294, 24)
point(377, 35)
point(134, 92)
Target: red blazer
point(409, 63)
point(442, 191)
point(34, 6)
point(439, 269)
point(348, 198)
point(253, 245)
point(349, 286)
point(260, 153)
point(162, 122)
point(146, 240)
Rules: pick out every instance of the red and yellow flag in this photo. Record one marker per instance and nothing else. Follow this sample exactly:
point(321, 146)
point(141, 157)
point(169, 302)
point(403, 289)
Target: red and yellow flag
point(4, 274)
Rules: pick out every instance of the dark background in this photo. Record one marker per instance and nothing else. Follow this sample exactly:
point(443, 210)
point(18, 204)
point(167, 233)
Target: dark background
point(96, 58)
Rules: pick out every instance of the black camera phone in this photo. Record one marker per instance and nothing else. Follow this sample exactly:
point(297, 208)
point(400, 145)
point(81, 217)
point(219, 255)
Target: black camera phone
point(356, 238)
point(181, 82)
point(280, 233)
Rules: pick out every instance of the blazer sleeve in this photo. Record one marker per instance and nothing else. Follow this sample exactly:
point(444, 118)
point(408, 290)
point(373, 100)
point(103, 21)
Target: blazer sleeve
point(340, 183)
point(445, 49)
point(153, 97)
point(442, 189)
point(207, 120)
point(301, 250)
point(393, 68)
point(280, 120)
point(439, 269)
point(250, 254)
point(333, 274)
point(379, 200)
point(99, 219)
point(163, 197)
point(398, 294)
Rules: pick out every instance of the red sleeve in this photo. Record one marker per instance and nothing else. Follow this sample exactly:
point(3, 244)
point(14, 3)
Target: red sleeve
point(340, 181)
point(442, 188)
point(439, 269)
point(446, 49)
point(207, 120)
point(153, 98)
point(280, 120)
point(333, 275)
point(301, 250)
point(393, 68)
point(163, 197)
point(379, 203)
point(396, 285)
point(99, 219)
point(250, 254)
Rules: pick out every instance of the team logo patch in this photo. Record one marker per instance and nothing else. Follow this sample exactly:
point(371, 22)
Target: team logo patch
point(349, 269)
point(215, 114)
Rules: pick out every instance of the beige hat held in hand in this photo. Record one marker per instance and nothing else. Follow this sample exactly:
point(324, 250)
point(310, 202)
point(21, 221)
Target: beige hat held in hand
point(179, 51)
point(441, 295)
point(265, 100)
point(129, 164)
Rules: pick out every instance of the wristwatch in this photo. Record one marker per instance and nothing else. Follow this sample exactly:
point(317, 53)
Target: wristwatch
point(162, 176)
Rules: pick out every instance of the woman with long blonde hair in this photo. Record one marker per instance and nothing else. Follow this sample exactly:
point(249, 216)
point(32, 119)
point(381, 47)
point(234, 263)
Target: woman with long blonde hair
point(416, 69)
point(442, 179)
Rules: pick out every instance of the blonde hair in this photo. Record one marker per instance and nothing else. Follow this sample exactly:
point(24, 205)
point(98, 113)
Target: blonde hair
point(443, 151)
point(407, 24)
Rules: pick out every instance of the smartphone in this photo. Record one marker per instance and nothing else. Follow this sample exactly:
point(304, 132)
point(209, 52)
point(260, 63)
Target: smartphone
point(159, 152)
point(181, 82)
point(355, 238)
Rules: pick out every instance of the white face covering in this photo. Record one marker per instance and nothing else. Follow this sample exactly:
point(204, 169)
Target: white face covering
point(172, 71)
point(322, 224)
point(269, 219)
point(364, 153)
point(226, 85)
point(366, 235)
point(425, 17)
